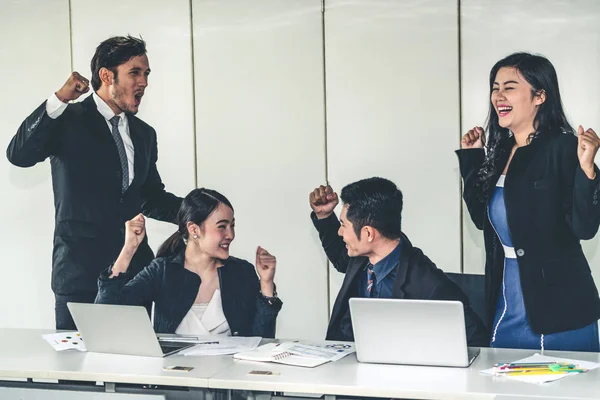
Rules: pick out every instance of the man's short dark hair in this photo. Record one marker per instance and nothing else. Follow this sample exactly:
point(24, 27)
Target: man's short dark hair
point(113, 52)
point(375, 202)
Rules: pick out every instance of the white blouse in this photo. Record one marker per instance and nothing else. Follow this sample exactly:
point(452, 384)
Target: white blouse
point(205, 319)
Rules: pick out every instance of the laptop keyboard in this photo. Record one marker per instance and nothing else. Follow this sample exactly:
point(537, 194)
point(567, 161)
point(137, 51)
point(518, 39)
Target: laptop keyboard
point(168, 347)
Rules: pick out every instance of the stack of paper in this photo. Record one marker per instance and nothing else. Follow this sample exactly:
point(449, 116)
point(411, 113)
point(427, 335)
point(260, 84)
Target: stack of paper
point(332, 351)
point(65, 341)
point(220, 345)
point(540, 369)
point(301, 354)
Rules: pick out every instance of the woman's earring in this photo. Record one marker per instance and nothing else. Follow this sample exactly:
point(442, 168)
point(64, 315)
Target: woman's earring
point(195, 236)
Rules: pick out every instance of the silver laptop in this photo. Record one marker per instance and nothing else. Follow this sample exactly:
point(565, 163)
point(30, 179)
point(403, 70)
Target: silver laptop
point(120, 330)
point(413, 332)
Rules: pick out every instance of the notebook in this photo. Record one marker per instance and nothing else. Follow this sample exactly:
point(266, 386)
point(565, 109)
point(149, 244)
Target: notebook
point(298, 354)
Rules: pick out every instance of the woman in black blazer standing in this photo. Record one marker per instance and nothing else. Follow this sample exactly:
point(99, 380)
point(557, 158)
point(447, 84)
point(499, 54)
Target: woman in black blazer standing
point(535, 195)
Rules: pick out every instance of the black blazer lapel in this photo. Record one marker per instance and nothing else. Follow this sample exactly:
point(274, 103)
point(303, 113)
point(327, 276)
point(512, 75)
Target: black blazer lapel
point(99, 124)
point(101, 133)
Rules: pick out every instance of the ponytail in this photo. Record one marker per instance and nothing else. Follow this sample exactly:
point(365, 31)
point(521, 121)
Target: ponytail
point(173, 245)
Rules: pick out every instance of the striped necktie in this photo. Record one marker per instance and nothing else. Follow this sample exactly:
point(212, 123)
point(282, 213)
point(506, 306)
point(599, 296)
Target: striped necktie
point(371, 281)
point(114, 121)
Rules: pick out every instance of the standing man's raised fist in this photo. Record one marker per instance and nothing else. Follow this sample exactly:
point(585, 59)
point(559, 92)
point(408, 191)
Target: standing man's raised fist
point(74, 87)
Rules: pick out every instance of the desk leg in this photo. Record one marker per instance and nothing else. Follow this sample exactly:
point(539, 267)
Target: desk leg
point(109, 387)
point(197, 393)
point(219, 394)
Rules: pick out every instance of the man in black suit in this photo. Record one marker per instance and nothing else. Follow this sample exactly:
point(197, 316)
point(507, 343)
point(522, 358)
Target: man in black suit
point(377, 259)
point(103, 161)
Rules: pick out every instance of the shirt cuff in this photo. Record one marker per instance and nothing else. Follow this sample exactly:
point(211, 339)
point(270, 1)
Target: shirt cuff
point(55, 107)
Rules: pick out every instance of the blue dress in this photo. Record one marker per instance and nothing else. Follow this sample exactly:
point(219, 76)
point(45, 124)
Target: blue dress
point(511, 328)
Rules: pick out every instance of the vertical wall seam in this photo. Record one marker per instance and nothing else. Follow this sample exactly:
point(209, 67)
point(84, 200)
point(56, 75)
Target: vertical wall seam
point(460, 123)
point(71, 35)
point(194, 130)
point(327, 267)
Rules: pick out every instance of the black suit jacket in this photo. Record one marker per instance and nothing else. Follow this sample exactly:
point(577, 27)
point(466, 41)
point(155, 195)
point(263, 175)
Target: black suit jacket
point(550, 205)
point(417, 277)
point(90, 211)
point(173, 289)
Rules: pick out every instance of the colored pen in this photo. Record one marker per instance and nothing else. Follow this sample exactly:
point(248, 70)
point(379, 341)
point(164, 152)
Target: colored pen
point(505, 371)
point(529, 364)
point(538, 372)
point(534, 365)
point(552, 367)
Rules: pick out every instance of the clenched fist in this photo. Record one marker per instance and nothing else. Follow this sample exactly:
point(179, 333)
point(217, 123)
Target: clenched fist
point(74, 87)
point(323, 201)
point(135, 230)
point(474, 139)
point(587, 147)
point(265, 266)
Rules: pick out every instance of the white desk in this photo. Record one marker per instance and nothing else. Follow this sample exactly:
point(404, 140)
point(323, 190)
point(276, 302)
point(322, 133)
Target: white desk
point(24, 354)
point(350, 378)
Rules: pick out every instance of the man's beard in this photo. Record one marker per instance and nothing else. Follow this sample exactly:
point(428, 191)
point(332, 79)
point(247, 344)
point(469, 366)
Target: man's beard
point(117, 96)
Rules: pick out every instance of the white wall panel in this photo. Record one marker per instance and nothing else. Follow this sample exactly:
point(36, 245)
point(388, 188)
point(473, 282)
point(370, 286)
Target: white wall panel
point(34, 49)
point(392, 101)
point(392, 105)
point(568, 34)
point(260, 138)
point(168, 103)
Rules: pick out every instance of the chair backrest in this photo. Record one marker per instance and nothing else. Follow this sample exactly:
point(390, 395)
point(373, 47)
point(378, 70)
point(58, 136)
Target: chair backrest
point(474, 287)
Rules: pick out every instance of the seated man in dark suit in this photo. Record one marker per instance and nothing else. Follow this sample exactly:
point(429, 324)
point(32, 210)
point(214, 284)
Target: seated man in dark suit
point(377, 258)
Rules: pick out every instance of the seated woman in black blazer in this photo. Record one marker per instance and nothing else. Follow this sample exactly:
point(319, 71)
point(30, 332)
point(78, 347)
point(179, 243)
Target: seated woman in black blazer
point(197, 287)
point(535, 195)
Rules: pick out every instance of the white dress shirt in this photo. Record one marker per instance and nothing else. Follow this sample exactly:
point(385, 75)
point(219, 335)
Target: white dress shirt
point(205, 319)
point(55, 108)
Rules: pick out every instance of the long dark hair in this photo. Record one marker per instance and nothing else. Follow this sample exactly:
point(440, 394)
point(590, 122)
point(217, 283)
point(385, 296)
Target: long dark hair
point(196, 207)
point(549, 120)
